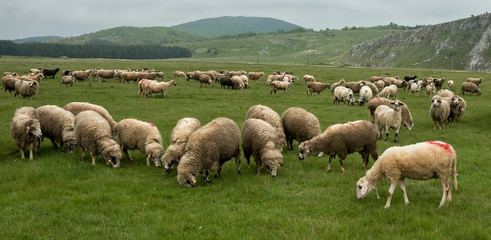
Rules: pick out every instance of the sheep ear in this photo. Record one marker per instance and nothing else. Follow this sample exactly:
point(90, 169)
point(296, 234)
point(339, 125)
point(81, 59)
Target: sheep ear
point(364, 189)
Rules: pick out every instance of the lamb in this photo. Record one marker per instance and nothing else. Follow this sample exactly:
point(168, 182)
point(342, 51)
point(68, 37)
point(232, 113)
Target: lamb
point(343, 139)
point(439, 112)
point(270, 116)
point(58, 125)
point(388, 117)
point(50, 72)
point(255, 75)
point(9, 83)
point(415, 88)
point(82, 75)
point(280, 85)
point(26, 88)
point(178, 140)
point(365, 95)
point(342, 94)
point(208, 148)
point(299, 124)
point(308, 78)
point(450, 84)
point(134, 134)
point(407, 119)
point(476, 81)
point(470, 87)
point(430, 89)
point(179, 74)
point(261, 140)
point(93, 133)
point(67, 79)
point(78, 107)
point(26, 130)
point(445, 93)
point(457, 108)
point(420, 161)
point(389, 91)
point(317, 87)
point(206, 79)
point(337, 84)
point(355, 86)
point(237, 82)
point(160, 87)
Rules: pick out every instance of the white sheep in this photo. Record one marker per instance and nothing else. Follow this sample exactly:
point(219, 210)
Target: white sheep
point(78, 107)
point(237, 82)
point(430, 89)
point(134, 134)
point(160, 87)
point(141, 86)
point(178, 140)
point(450, 84)
point(365, 95)
point(445, 93)
point(67, 79)
point(308, 78)
point(57, 124)
point(255, 75)
point(280, 85)
point(26, 130)
point(389, 91)
point(421, 161)
point(270, 116)
point(439, 111)
point(415, 88)
point(26, 88)
point(342, 94)
point(388, 117)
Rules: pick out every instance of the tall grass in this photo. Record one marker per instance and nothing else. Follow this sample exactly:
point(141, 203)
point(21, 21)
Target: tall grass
point(63, 196)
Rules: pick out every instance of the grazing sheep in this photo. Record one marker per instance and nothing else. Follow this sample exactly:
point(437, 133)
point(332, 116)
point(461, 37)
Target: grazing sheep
point(408, 78)
point(208, 149)
point(255, 75)
point(444, 92)
point(407, 119)
point(380, 85)
point(388, 117)
point(26, 88)
point(308, 78)
point(93, 133)
point(343, 94)
point(457, 108)
point(476, 81)
point(134, 134)
point(225, 81)
point(420, 161)
point(439, 111)
point(178, 140)
point(268, 115)
point(180, 74)
point(237, 82)
point(104, 74)
point(82, 75)
point(299, 124)
point(317, 87)
point(376, 78)
point(9, 83)
point(50, 72)
point(78, 107)
point(26, 130)
point(470, 87)
point(355, 86)
point(280, 85)
point(389, 91)
point(372, 87)
point(415, 88)
point(58, 125)
point(261, 140)
point(430, 89)
point(205, 79)
point(337, 84)
point(67, 79)
point(158, 87)
point(450, 84)
point(245, 80)
point(365, 95)
point(341, 140)
point(151, 75)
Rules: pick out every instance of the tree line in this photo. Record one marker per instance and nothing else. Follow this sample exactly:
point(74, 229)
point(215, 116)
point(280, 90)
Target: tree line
point(92, 51)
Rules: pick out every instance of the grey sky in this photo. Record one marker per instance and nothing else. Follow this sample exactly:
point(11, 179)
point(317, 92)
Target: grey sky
point(29, 18)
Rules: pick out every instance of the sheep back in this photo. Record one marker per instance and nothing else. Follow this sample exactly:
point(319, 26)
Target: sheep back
point(299, 124)
point(58, 125)
point(25, 129)
point(270, 116)
point(178, 140)
point(78, 107)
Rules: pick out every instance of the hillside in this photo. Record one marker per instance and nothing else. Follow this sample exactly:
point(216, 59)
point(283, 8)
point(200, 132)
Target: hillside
point(215, 27)
point(463, 44)
point(132, 36)
point(36, 39)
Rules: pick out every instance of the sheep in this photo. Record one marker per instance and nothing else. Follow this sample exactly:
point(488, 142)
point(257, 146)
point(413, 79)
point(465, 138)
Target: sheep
point(26, 130)
point(270, 79)
point(438, 82)
point(407, 119)
point(50, 72)
point(372, 87)
point(376, 78)
point(279, 85)
point(400, 84)
point(450, 84)
point(58, 125)
point(388, 117)
point(134, 134)
point(151, 75)
point(83, 75)
point(78, 107)
point(255, 75)
point(420, 161)
point(408, 78)
point(93, 133)
point(205, 79)
point(317, 87)
point(104, 74)
point(26, 88)
point(159, 87)
point(308, 78)
point(9, 83)
point(208, 148)
point(299, 124)
point(261, 140)
point(245, 80)
point(470, 87)
point(141, 86)
point(237, 82)
point(389, 91)
point(365, 95)
point(380, 85)
point(38, 77)
point(67, 79)
point(337, 84)
point(415, 88)
point(439, 112)
point(430, 89)
point(268, 115)
point(444, 93)
point(342, 140)
point(342, 94)
point(476, 81)
point(457, 108)
point(129, 76)
point(180, 74)
point(355, 86)
point(178, 140)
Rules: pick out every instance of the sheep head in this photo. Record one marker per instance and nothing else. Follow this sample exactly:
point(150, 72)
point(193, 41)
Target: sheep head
point(363, 187)
point(304, 150)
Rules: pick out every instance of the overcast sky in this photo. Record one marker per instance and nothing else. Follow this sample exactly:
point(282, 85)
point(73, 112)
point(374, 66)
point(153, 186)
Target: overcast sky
point(66, 18)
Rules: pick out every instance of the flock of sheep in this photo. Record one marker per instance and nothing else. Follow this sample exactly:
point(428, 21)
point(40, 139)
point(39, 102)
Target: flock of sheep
point(263, 135)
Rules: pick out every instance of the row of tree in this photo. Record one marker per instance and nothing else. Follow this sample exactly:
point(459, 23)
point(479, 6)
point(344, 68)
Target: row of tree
point(92, 51)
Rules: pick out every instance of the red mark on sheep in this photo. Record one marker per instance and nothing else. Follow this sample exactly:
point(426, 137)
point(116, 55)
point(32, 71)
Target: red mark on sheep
point(443, 145)
point(151, 124)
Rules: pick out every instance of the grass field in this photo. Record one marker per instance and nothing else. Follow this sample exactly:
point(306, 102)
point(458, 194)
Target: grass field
point(63, 196)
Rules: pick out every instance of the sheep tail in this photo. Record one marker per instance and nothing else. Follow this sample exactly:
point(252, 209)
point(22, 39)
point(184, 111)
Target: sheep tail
point(454, 175)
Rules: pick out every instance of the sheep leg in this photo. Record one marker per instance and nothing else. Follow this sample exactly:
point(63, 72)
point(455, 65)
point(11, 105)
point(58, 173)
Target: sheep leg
point(397, 133)
point(329, 165)
point(93, 158)
point(205, 177)
point(403, 189)
point(217, 174)
point(128, 155)
point(31, 155)
point(341, 162)
point(365, 157)
point(22, 153)
point(386, 132)
point(393, 185)
point(446, 191)
point(54, 143)
point(148, 161)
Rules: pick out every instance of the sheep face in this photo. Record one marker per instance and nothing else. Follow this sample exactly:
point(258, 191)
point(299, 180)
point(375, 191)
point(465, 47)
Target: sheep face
point(436, 103)
point(171, 158)
point(363, 188)
point(303, 150)
point(69, 145)
point(113, 156)
point(186, 179)
point(34, 129)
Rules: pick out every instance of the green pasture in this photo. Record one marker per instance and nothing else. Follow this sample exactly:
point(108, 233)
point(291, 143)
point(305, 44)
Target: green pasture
point(63, 196)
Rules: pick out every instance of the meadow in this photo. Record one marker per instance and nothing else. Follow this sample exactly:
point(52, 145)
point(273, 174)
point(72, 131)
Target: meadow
point(63, 196)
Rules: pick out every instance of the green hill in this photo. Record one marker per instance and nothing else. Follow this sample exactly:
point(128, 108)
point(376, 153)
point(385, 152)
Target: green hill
point(215, 27)
point(36, 39)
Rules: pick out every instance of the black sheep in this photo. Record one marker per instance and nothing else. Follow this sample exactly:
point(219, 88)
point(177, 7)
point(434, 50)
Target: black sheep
point(50, 72)
point(407, 78)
